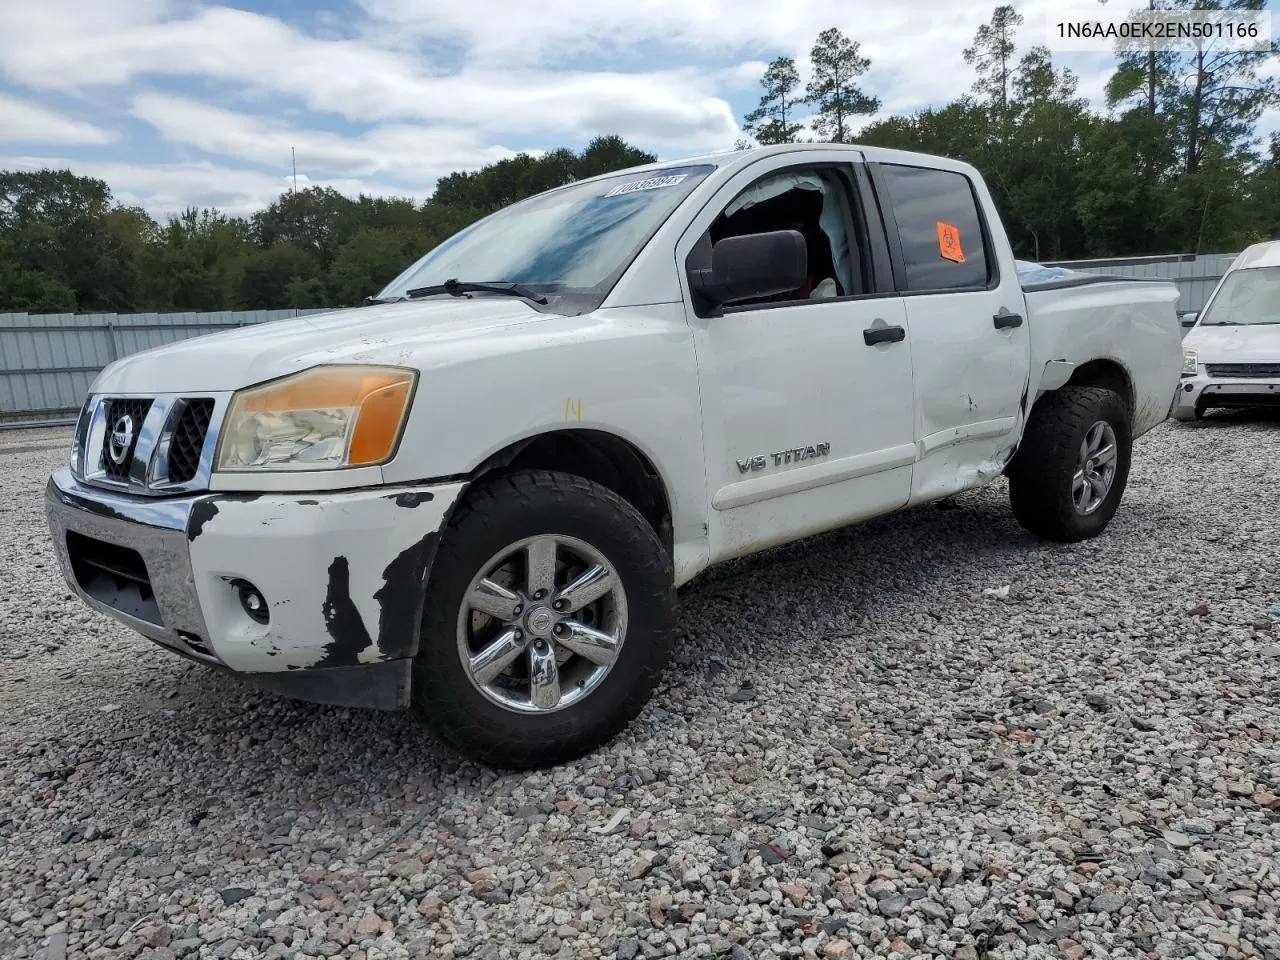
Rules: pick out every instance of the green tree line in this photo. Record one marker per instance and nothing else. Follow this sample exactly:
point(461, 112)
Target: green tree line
point(1172, 165)
point(66, 247)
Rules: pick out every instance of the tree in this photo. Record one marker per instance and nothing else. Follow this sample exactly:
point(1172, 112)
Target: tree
point(305, 294)
point(992, 57)
point(198, 262)
point(317, 219)
point(607, 154)
point(269, 276)
point(1044, 167)
point(369, 261)
point(1211, 96)
point(31, 291)
point(65, 245)
point(1182, 177)
point(1264, 194)
point(832, 92)
point(1142, 75)
point(63, 225)
point(499, 184)
point(769, 122)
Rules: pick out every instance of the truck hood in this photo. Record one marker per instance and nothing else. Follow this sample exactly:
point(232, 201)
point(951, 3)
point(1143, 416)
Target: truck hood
point(1248, 343)
point(393, 333)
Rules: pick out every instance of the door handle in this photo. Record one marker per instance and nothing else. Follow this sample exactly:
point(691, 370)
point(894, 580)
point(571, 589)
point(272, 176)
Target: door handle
point(874, 335)
point(1005, 321)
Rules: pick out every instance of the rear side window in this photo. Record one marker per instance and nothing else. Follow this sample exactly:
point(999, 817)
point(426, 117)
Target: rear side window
point(939, 227)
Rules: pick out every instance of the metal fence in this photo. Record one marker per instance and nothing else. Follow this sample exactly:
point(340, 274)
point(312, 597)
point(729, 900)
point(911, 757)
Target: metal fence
point(1196, 276)
point(48, 361)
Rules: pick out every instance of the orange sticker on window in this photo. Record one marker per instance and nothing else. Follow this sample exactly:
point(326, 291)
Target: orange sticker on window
point(949, 243)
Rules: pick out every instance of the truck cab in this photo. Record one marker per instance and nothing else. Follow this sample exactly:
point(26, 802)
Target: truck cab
point(477, 496)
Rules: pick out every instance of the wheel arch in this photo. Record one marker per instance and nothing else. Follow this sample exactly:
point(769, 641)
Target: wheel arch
point(596, 455)
point(1105, 372)
point(1108, 373)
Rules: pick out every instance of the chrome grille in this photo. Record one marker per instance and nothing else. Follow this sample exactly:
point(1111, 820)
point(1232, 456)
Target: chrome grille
point(188, 439)
point(170, 451)
point(1244, 371)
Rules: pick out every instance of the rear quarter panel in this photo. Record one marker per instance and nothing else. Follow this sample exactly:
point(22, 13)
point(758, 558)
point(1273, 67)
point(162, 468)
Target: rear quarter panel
point(1132, 323)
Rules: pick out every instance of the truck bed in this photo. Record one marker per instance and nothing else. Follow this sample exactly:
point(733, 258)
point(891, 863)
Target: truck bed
point(1078, 317)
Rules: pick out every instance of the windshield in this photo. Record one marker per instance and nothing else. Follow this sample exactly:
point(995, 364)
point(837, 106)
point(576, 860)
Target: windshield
point(1247, 297)
point(572, 241)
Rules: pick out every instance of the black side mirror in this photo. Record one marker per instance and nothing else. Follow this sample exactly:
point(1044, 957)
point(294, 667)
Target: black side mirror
point(753, 265)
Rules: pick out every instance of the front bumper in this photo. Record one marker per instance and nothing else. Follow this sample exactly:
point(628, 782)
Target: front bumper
point(1197, 393)
point(342, 574)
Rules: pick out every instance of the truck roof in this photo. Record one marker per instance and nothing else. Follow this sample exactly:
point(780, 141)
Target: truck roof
point(729, 159)
point(1265, 254)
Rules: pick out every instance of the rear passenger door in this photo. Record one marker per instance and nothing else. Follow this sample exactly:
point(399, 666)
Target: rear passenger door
point(965, 310)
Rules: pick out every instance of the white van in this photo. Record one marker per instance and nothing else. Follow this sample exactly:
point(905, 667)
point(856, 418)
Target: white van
point(1231, 357)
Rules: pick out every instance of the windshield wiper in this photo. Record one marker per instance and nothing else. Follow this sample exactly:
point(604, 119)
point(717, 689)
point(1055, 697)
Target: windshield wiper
point(460, 288)
point(374, 301)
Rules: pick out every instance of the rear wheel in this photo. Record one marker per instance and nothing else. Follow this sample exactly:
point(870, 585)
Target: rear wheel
point(1069, 475)
point(547, 620)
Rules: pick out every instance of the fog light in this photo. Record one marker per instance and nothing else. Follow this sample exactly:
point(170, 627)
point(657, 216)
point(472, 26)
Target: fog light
point(252, 601)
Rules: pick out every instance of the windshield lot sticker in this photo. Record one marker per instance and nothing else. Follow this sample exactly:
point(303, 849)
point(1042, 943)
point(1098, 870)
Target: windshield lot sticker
point(653, 183)
point(949, 243)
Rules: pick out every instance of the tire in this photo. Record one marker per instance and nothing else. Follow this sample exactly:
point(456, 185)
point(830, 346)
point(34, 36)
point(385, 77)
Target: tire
point(488, 718)
point(1042, 486)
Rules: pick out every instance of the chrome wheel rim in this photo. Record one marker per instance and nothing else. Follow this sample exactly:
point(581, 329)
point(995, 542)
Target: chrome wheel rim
point(1095, 468)
point(542, 624)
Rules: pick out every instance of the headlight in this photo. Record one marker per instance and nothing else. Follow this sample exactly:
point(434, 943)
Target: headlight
point(1188, 362)
point(320, 419)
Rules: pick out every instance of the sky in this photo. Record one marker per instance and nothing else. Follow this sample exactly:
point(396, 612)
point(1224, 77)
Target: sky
point(177, 103)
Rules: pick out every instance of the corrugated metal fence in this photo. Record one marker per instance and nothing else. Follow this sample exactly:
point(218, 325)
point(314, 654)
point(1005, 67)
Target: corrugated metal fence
point(48, 361)
point(1196, 276)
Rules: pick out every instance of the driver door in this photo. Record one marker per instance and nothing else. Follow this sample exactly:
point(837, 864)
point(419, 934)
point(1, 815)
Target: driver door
point(807, 399)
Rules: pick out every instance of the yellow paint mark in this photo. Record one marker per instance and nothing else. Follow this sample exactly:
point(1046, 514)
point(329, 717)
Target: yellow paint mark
point(573, 408)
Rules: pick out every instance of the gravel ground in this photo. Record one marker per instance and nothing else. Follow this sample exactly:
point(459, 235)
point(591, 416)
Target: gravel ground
point(1085, 766)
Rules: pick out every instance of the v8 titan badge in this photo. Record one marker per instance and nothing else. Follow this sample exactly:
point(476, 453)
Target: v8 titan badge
point(949, 243)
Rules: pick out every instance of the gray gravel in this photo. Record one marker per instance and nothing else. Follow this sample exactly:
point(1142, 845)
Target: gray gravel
point(1086, 765)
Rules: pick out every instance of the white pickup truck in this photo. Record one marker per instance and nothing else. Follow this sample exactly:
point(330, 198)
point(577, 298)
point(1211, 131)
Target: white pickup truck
point(477, 495)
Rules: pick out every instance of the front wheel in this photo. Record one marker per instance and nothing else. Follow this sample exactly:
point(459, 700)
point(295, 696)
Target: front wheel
point(1069, 475)
point(547, 620)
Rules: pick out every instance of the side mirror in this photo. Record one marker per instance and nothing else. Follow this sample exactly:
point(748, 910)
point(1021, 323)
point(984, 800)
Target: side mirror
point(753, 265)
point(1189, 319)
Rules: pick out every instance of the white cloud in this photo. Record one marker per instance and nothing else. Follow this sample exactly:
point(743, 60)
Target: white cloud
point(504, 86)
point(359, 81)
point(164, 188)
point(24, 122)
point(412, 154)
point(435, 86)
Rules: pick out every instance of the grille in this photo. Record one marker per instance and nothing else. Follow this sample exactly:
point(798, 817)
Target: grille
point(1244, 371)
point(117, 410)
point(188, 440)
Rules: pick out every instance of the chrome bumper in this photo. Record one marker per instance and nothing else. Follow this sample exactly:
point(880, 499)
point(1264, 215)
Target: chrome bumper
point(1200, 392)
point(342, 574)
point(157, 530)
